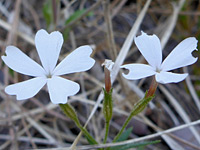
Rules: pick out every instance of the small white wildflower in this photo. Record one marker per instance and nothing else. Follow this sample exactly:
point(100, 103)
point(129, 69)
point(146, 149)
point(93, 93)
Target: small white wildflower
point(150, 47)
point(48, 47)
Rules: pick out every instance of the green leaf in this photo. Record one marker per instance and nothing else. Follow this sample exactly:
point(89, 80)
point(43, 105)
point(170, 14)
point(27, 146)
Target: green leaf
point(47, 12)
point(71, 113)
point(11, 72)
point(125, 135)
point(73, 17)
point(135, 145)
point(107, 105)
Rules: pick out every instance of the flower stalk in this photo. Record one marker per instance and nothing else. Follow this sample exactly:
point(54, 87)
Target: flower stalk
point(70, 112)
point(107, 103)
point(152, 88)
point(139, 106)
point(107, 111)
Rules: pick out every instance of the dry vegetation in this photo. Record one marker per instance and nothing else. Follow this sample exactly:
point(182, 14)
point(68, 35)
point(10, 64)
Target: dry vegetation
point(37, 123)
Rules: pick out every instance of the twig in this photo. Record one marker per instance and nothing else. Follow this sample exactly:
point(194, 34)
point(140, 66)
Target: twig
point(191, 89)
point(110, 34)
point(24, 36)
point(180, 111)
point(132, 140)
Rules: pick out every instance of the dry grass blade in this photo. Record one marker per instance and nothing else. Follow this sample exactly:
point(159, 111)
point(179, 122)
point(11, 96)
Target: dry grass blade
point(192, 90)
point(180, 111)
point(24, 36)
point(110, 34)
point(133, 140)
point(121, 56)
point(38, 124)
point(172, 22)
point(128, 42)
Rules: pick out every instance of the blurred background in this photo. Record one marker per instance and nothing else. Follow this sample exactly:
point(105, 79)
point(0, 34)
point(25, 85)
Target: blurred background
point(104, 25)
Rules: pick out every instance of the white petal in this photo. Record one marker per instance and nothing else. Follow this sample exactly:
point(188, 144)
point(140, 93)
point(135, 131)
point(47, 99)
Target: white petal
point(77, 61)
point(181, 55)
point(138, 71)
point(48, 47)
point(60, 88)
point(18, 61)
point(169, 77)
point(150, 47)
point(26, 89)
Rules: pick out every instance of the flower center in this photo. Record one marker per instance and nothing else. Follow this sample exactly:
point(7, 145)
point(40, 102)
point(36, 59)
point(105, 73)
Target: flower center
point(158, 70)
point(49, 75)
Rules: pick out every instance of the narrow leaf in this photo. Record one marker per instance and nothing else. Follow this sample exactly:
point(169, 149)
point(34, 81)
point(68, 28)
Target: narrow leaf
point(135, 145)
point(125, 135)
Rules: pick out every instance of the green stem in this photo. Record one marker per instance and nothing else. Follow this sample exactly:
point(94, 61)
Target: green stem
point(138, 107)
point(107, 130)
point(107, 110)
point(123, 127)
point(87, 134)
point(70, 112)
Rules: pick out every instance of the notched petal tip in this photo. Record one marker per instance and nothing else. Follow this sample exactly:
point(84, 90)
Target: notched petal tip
point(195, 41)
point(183, 51)
point(26, 89)
point(77, 61)
point(48, 47)
point(125, 67)
point(44, 33)
point(144, 34)
point(138, 71)
point(150, 47)
point(127, 71)
point(9, 49)
point(3, 57)
point(41, 31)
point(89, 51)
point(9, 90)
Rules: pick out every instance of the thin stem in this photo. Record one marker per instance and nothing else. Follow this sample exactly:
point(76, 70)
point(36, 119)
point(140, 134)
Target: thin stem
point(139, 106)
point(86, 133)
point(123, 127)
point(107, 130)
point(70, 112)
point(110, 34)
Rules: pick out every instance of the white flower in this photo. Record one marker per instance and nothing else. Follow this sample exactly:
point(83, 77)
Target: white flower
point(150, 47)
point(48, 47)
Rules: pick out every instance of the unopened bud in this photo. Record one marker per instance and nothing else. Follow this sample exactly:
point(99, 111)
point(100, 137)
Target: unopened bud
point(152, 88)
point(108, 65)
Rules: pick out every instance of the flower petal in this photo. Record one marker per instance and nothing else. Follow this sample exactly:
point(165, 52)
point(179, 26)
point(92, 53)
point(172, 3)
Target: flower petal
point(60, 88)
point(48, 47)
point(26, 89)
point(21, 63)
point(150, 48)
point(169, 77)
point(138, 71)
point(77, 61)
point(181, 55)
